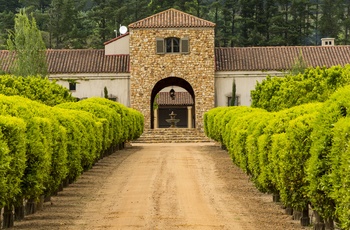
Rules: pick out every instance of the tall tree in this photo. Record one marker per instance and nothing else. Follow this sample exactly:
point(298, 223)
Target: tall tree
point(29, 48)
point(330, 19)
point(63, 16)
point(229, 11)
point(345, 23)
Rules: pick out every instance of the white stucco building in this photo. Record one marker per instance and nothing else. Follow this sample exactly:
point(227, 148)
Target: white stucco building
point(90, 72)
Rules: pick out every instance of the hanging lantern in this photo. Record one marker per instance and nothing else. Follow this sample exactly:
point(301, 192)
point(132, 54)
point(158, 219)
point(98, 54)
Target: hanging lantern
point(172, 94)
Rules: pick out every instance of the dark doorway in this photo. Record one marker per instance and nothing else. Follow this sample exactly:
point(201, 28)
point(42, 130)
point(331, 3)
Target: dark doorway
point(166, 82)
point(181, 113)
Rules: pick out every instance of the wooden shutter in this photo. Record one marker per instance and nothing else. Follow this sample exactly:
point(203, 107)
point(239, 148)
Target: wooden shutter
point(159, 45)
point(185, 46)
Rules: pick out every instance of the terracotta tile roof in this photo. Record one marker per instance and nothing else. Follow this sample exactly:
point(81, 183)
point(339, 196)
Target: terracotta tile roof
point(227, 59)
point(181, 98)
point(115, 39)
point(86, 61)
point(77, 61)
point(279, 57)
point(171, 18)
point(6, 60)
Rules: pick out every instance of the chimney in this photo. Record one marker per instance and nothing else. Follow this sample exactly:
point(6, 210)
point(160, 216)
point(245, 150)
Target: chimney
point(327, 41)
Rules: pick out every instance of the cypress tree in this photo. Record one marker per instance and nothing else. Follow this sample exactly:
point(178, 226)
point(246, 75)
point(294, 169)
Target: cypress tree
point(233, 99)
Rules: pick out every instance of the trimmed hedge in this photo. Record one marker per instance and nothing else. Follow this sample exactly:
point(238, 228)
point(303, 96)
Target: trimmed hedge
point(324, 154)
point(12, 158)
point(314, 85)
point(340, 171)
point(300, 153)
point(43, 146)
point(35, 88)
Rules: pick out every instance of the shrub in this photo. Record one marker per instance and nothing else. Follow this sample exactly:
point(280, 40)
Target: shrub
point(12, 158)
point(292, 184)
point(319, 166)
point(339, 176)
point(35, 88)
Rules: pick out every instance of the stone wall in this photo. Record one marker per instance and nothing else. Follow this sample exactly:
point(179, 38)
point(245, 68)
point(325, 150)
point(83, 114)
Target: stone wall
point(147, 67)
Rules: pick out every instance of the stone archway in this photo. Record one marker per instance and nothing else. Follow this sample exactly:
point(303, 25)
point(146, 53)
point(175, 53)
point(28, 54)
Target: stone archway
point(170, 81)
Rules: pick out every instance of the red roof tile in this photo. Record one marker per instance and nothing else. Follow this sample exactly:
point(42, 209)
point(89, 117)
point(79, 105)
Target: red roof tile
point(171, 18)
point(115, 39)
point(227, 59)
point(6, 60)
point(86, 61)
point(77, 61)
point(279, 57)
point(181, 98)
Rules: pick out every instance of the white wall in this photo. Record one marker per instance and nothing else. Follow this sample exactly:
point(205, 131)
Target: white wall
point(245, 82)
point(93, 86)
point(118, 85)
point(120, 46)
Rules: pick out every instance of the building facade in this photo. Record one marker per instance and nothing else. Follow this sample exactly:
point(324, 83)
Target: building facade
point(175, 50)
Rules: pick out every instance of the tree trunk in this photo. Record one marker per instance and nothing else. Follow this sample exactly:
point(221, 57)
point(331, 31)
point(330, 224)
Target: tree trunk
point(289, 210)
point(19, 212)
point(40, 203)
point(329, 224)
point(30, 207)
point(297, 214)
point(319, 224)
point(276, 198)
point(305, 218)
point(8, 217)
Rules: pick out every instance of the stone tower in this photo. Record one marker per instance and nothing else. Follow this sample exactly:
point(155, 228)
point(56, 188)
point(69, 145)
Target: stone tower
point(172, 48)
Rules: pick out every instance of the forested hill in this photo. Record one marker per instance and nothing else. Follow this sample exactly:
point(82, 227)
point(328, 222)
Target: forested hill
point(89, 23)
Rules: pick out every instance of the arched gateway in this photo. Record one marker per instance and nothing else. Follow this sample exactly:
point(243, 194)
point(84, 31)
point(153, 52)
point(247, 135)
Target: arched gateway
point(172, 48)
point(157, 117)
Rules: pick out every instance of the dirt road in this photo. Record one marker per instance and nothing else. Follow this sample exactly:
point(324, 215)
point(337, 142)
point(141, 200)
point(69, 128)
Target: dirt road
point(176, 186)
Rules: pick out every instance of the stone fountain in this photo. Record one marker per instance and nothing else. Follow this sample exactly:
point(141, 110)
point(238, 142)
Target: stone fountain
point(172, 121)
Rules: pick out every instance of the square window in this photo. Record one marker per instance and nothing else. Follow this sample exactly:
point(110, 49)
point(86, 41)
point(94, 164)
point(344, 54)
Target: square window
point(72, 86)
point(236, 101)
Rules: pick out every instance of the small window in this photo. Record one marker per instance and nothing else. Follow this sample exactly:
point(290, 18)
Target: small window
point(229, 101)
point(72, 86)
point(172, 45)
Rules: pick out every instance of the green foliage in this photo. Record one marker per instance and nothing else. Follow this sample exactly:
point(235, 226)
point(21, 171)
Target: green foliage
point(35, 88)
point(29, 48)
point(300, 153)
point(43, 134)
point(210, 126)
point(313, 85)
point(299, 65)
point(88, 24)
point(132, 120)
point(339, 176)
point(12, 158)
point(320, 163)
point(264, 92)
point(75, 141)
point(110, 121)
point(41, 146)
point(39, 153)
point(256, 129)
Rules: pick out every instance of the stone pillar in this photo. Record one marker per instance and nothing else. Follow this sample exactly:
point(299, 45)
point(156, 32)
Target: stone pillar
point(189, 117)
point(155, 119)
